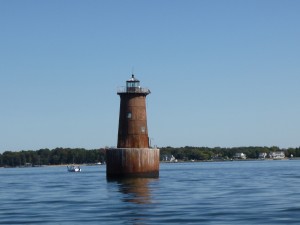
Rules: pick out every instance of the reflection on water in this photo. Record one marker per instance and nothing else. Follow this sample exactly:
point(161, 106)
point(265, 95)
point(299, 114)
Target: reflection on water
point(229, 193)
point(137, 198)
point(136, 195)
point(135, 190)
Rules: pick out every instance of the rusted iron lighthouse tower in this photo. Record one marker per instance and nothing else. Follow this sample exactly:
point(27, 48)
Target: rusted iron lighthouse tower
point(133, 132)
point(133, 156)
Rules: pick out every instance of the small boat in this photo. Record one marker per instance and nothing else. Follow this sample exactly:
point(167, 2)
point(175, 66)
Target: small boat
point(73, 168)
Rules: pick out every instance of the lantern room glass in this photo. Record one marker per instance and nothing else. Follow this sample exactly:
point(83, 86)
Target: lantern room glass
point(132, 84)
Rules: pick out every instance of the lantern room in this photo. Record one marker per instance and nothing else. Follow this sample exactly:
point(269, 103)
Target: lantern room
point(133, 84)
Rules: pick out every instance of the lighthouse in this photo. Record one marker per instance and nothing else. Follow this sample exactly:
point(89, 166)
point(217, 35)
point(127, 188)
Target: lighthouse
point(133, 157)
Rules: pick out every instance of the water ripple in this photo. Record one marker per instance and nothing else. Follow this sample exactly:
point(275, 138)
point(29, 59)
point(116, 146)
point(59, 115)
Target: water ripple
point(264, 192)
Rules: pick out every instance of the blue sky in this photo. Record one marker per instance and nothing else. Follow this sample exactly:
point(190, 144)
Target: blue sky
point(221, 73)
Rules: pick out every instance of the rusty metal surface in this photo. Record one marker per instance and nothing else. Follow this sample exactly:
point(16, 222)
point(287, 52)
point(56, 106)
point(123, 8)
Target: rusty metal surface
point(133, 130)
point(132, 162)
point(132, 157)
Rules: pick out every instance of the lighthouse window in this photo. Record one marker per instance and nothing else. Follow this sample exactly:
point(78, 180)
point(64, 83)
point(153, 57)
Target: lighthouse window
point(129, 115)
point(143, 129)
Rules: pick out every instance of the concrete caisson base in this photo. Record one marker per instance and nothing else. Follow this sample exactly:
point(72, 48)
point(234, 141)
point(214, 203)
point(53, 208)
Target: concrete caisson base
point(132, 162)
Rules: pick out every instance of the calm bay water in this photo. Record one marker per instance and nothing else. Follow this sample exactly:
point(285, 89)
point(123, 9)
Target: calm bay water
point(237, 192)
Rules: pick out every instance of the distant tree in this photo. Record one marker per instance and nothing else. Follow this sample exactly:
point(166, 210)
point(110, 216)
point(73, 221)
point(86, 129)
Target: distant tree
point(44, 156)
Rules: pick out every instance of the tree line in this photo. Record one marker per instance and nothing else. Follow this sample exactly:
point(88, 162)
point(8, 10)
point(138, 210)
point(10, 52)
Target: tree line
point(59, 156)
point(205, 153)
point(55, 156)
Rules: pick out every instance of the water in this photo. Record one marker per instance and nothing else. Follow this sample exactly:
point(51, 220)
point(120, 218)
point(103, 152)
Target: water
point(238, 192)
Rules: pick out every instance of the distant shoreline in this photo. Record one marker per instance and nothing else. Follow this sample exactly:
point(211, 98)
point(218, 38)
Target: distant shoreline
point(163, 162)
point(230, 160)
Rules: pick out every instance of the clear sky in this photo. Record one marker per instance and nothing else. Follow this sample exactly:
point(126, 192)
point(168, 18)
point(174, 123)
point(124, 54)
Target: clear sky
point(221, 73)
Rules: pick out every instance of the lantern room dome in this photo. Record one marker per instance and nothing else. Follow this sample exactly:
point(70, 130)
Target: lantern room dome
point(133, 79)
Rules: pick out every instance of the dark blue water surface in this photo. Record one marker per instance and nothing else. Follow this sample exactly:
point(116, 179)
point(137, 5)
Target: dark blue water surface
point(237, 192)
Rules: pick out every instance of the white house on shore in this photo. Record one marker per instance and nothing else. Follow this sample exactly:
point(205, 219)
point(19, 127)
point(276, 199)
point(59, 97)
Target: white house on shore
point(239, 155)
point(277, 155)
point(262, 155)
point(169, 158)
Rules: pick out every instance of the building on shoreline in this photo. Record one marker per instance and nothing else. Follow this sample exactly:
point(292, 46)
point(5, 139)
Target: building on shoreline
point(262, 155)
point(239, 155)
point(277, 155)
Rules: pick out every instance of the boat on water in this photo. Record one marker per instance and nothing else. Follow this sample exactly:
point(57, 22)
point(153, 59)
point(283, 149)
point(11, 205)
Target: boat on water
point(73, 168)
